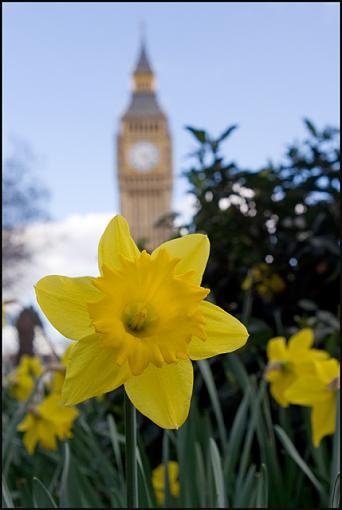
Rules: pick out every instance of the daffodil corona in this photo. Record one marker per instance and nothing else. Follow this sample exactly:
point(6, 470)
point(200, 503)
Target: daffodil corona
point(140, 323)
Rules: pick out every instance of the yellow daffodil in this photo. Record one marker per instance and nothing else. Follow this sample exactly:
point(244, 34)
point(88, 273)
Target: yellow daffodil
point(140, 323)
point(265, 280)
point(23, 378)
point(318, 390)
point(58, 376)
point(158, 481)
point(47, 422)
point(288, 362)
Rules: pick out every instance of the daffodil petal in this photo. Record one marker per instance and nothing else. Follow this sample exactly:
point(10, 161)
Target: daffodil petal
point(301, 340)
point(306, 391)
point(328, 370)
point(193, 250)
point(26, 424)
point(276, 349)
point(279, 386)
point(47, 434)
point(163, 394)
point(323, 416)
point(91, 371)
point(30, 440)
point(224, 332)
point(116, 241)
point(63, 301)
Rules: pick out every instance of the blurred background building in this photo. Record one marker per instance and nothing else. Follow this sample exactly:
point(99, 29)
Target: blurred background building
point(144, 159)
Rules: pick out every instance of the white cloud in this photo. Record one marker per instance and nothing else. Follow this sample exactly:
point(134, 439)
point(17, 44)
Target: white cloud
point(68, 248)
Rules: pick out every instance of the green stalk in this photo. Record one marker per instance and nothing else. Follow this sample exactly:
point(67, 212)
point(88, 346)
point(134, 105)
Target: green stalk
point(166, 457)
point(131, 455)
point(335, 463)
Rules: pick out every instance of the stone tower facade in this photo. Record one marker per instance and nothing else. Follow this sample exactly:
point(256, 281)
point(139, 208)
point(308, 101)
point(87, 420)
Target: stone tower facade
point(144, 159)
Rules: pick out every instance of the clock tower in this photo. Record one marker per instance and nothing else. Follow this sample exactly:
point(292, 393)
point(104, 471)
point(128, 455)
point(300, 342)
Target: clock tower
point(144, 159)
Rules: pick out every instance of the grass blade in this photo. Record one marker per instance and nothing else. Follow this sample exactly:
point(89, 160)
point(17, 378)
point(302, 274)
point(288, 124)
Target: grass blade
point(166, 457)
point(147, 487)
point(293, 453)
point(41, 496)
point(218, 474)
point(244, 495)
point(234, 364)
point(335, 493)
point(235, 437)
point(262, 488)
point(6, 495)
point(210, 384)
point(335, 463)
point(255, 413)
point(64, 496)
point(114, 437)
point(200, 479)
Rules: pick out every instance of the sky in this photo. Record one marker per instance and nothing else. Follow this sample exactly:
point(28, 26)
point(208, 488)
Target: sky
point(66, 82)
point(67, 70)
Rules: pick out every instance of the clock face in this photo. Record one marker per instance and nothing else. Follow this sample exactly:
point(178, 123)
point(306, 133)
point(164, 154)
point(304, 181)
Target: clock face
point(143, 156)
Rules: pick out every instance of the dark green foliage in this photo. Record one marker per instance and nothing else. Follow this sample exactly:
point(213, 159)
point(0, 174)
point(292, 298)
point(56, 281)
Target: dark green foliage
point(285, 214)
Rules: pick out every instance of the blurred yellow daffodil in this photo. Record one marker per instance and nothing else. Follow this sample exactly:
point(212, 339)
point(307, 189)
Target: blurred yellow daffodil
point(46, 422)
point(23, 378)
point(58, 376)
point(288, 362)
point(318, 390)
point(140, 323)
point(158, 481)
point(264, 279)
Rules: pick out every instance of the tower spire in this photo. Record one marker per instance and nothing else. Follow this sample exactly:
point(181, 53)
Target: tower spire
point(143, 65)
point(142, 32)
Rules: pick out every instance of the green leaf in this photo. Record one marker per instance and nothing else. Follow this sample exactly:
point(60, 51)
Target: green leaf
point(255, 404)
point(211, 387)
point(64, 493)
point(166, 457)
point(233, 363)
point(147, 487)
point(244, 496)
point(226, 133)
point(262, 488)
point(115, 440)
point(293, 453)
point(218, 474)
point(335, 494)
point(11, 429)
point(235, 438)
point(7, 500)
point(41, 496)
point(200, 478)
point(335, 463)
point(311, 128)
point(199, 134)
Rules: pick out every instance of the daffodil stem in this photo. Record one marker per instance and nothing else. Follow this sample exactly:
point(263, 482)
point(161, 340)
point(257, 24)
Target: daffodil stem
point(166, 456)
point(131, 456)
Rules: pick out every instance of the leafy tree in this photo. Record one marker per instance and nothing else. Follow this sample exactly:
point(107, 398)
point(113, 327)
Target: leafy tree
point(273, 232)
